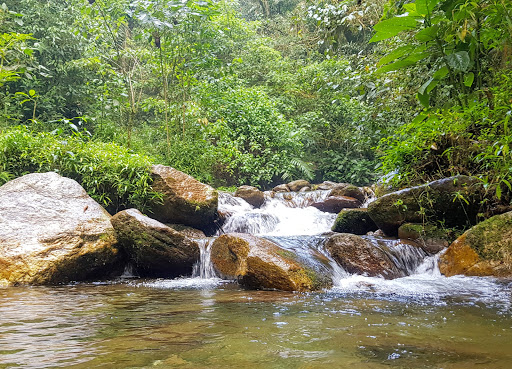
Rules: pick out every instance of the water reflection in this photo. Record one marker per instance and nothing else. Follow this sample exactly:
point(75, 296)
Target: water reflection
point(146, 324)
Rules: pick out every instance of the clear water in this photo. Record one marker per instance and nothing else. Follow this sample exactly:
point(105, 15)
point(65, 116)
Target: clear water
point(158, 324)
point(423, 320)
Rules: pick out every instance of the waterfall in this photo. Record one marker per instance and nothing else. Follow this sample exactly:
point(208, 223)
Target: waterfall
point(203, 268)
point(288, 220)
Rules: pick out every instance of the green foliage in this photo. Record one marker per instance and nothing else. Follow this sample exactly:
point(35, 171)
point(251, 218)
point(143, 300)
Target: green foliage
point(255, 143)
point(111, 174)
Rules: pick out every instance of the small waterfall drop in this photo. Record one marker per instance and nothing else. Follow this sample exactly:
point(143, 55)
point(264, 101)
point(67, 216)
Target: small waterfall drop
point(203, 268)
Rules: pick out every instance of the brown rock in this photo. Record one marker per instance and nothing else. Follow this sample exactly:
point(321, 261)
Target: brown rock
point(185, 201)
point(357, 255)
point(51, 231)
point(281, 188)
point(295, 186)
point(431, 238)
point(155, 249)
point(483, 250)
point(335, 204)
point(251, 194)
point(348, 190)
point(259, 263)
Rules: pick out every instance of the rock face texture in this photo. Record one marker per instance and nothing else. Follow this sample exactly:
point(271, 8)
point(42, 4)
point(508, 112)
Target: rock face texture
point(334, 204)
point(185, 200)
point(251, 194)
point(454, 200)
point(260, 264)
point(155, 249)
point(346, 189)
point(298, 184)
point(484, 250)
point(428, 236)
point(357, 255)
point(51, 232)
point(355, 221)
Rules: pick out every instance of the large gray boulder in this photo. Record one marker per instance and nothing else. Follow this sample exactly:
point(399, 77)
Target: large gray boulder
point(51, 232)
point(155, 249)
point(359, 256)
point(455, 201)
point(185, 200)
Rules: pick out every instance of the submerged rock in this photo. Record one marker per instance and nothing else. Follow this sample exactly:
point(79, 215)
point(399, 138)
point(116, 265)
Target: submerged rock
point(51, 232)
point(185, 200)
point(335, 204)
point(454, 200)
point(251, 194)
point(154, 249)
point(260, 264)
point(359, 256)
point(484, 250)
point(355, 221)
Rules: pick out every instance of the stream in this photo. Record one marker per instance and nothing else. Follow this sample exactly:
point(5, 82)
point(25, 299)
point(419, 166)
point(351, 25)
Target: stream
point(423, 320)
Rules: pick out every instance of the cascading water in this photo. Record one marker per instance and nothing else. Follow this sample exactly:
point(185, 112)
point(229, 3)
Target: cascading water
point(288, 220)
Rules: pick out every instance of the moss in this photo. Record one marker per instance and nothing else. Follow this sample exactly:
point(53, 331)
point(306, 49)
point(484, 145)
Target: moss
point(491, 238)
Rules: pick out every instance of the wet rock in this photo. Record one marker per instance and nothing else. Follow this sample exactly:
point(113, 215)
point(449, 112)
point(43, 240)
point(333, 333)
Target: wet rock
point(355, 221)
point(187, 231)
point(251, 194)
point(327, 185)
point(348, 190)
point(51, 232)
point(431, 238)
point(260, 264)
point(359, 256)
point(154, 249)
point(295, 186)
point(305, 189)
point(281, 188)
point(335, 204)
point(483, 250)
point(185, 201)
point(454, 200)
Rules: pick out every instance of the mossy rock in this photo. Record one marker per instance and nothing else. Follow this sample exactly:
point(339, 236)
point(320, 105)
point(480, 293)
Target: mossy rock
point(455, 201)
point(483, 250)
point(258, 263)
point(431, 238)
point(348, 190)
point(355, 221)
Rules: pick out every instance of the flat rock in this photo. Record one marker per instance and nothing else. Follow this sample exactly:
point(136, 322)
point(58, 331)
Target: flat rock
point(295, 186)
point(52, 232)
point(335, 204)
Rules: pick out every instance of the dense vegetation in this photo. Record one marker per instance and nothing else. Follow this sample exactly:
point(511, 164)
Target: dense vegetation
point(257, 92)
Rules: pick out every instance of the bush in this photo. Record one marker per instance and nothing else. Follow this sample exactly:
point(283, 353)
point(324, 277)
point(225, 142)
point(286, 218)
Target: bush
point(110, 174)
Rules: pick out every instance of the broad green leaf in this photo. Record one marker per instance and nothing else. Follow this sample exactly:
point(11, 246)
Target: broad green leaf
point(31, 92)
point(428, 86)
point(424, 99)
point(498, 191)
point(425, 7)
point(441, 73)
point(459, 61)
point(404, 63)
point(427, 34)
point(419, 118)
point(395, 54)
point(391, 27)
point(468, 79)
point(411, 9)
